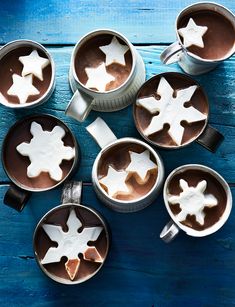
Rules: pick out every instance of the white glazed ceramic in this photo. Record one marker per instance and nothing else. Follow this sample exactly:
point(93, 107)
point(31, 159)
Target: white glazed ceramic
point(29, 43)
point(189, 62)
point(106, 139)
point(84, 99)
point(172, 228)
point(71, 198)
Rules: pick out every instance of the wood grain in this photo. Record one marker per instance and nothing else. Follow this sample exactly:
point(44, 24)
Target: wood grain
point(220, 90)
point(140, 270)
point(64, 22)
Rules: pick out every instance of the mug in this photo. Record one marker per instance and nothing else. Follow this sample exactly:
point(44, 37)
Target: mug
point(188, 61)
point(92, 243)
point(86, 99)
point(11, 52)
point(16, 164)
point(189, 180)
point(169, 86)
point(117, 153)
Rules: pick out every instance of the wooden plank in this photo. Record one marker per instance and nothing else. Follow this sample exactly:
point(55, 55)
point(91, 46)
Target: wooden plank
point(140, 270)
point(64, 22)
point(219, 85)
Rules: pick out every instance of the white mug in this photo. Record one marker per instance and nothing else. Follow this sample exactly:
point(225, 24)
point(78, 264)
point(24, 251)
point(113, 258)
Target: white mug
point(173, 227)
point(189, 62)
point(29, 43)
point(85, 99)
point(107, 140)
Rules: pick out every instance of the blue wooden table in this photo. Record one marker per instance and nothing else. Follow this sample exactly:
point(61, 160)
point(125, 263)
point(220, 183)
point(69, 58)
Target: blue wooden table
point(140, 270)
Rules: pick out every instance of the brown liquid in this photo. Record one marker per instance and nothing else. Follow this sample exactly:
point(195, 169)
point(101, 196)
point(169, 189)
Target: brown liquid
point(60, 217)
point(89, 55)
point(218, 40)
point(10, 65)
point(16, 164)
point(119, 158)
point(193, 177)
point(143, 117)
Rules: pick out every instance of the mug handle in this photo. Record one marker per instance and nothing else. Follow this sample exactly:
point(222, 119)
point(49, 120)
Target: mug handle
point(79, 106)
point(16, 198)
point(169, 232)
point(211, 138)
point(171, 54)
point(101, 132)
point(72, 192)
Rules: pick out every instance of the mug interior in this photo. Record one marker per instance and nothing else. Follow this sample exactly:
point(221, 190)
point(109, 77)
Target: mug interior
point(216, 216)
point(59, 216)
point(87, 54)
point(9, 56)
point(143, 117)
point(117, 155)
point(219, 39)
point(16, 165)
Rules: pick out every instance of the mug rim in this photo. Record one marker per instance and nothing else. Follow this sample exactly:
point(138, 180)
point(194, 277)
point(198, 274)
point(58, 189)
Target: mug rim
point(174, 147)
point(160, 171)
point(40, 100)
point(70, 205)
point(87, 37)
point(75, 160)
point(216, 226)
point(194, 56)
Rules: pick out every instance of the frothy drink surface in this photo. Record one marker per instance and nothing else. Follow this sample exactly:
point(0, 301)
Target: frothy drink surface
point(16, 164)
point(89, 55)
point(193, 177)
point(119, 158)
point(10, 65)
point(60, 217)
point(219, 39)
point(143, 117)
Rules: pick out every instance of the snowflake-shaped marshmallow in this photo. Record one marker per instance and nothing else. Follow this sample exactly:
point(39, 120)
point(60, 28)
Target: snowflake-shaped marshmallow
point(46, 151)
point(193, 200)
point(192, 34)
point(33, 64)
point(171, 110)
point(72, 243)
point(141, 164)
point(98, 78)
point(114, 52)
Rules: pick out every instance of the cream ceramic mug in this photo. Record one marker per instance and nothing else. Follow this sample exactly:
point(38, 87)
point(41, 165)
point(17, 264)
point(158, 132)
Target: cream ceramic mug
point(198, 200)
point(86, 99)
point(126, 160)
point(191, 62)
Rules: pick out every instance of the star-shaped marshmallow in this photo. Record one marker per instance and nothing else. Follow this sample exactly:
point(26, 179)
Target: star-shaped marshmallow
point(22, 87)
point(115, 182)
point(141, 164)
point(171, 110)
point(72, 243)
point(33, 64)
point(46, 151)
point(192, 34)
point(193, 200)
point(98, 77)
point(114, 52)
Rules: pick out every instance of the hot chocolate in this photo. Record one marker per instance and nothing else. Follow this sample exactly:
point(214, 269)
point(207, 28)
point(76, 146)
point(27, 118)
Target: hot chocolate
point(171, 110)
point(79, 247)
point(127, 171)
point(21, 169)
point(103, 63)
point(25, 74)
point(215, 32)
point(196, 198)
